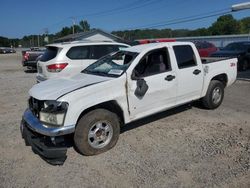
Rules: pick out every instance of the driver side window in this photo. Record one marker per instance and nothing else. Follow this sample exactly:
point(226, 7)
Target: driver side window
point(155, 62)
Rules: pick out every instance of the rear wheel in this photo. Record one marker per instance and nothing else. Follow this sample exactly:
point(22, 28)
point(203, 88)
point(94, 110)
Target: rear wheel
point(214, 95)
point(97, 132)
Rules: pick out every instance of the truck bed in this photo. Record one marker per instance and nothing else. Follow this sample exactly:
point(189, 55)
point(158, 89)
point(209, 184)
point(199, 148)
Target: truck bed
point(207, 60)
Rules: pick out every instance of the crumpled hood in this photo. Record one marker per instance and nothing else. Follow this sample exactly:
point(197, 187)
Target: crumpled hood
point(54, 88)
point(226, 53)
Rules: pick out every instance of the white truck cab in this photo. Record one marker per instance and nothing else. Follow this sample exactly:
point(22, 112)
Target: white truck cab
point(120, 88)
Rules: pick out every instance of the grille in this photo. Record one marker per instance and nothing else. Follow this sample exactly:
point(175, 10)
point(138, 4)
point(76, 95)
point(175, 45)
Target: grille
point(35, 106)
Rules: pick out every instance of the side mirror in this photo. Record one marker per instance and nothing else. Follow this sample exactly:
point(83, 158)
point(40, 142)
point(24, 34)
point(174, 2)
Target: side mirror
point(141, 88)
point(135, 76)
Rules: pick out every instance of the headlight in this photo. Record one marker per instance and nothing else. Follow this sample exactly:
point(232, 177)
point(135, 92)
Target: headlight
point(53, 113)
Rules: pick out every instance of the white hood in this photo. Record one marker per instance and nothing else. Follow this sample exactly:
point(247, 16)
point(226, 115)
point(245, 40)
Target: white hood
point(54, 88)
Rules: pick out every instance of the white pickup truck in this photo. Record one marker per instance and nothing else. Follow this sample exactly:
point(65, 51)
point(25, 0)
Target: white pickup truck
point(117, 89)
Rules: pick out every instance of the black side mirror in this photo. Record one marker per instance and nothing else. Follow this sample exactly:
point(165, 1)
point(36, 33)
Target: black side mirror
point(141, 88)
point(134, 75)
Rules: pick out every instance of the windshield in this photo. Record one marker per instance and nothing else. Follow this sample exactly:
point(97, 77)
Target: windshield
point(112, 65)
point(235, 47)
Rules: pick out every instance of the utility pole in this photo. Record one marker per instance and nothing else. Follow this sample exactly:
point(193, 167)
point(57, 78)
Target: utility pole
point(38, 40)
point(74, 22)
point(46, 38)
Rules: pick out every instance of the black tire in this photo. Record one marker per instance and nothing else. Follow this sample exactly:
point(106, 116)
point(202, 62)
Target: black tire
point(88, 124)
point(210, 101)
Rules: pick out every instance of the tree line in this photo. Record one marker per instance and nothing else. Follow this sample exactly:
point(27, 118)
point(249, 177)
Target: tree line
point(224, 25)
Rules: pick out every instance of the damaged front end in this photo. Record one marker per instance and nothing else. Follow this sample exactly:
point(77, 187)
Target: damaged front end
point(42, 129)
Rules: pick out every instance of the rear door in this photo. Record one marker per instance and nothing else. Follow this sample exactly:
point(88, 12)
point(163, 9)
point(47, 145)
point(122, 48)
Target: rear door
point(189, 73)
point(155, 75)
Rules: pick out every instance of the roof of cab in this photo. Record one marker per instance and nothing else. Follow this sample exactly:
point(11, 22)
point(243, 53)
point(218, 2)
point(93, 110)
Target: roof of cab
point(145, 47)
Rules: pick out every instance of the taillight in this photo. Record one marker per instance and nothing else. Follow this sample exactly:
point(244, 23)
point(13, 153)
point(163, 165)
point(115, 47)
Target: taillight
point(26, 56)
point(56, 67)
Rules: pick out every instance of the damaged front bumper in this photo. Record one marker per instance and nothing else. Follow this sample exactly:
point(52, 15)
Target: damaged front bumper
point(50, 145)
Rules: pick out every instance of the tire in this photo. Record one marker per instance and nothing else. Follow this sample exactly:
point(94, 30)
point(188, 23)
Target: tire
point(214, 95)
point(97, 132)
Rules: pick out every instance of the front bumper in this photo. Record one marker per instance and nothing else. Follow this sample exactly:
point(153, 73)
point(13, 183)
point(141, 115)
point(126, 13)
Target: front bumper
point(50, 146)
point(53, 153)
point(34, 124)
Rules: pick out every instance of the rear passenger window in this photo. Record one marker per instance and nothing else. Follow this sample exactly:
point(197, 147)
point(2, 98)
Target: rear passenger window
point(78, 52)
point(99, 51)
point(185, 56)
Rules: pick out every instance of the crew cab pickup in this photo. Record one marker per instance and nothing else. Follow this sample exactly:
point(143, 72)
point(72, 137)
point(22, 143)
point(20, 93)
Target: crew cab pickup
point(117, 89)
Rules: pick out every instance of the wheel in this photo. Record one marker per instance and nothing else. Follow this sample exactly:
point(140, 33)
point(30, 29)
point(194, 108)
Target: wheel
point(214, 95)
point(97, 132)
point(244, 65)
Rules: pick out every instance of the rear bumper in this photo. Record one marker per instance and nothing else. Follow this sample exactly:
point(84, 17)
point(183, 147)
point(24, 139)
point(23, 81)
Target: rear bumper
point(40, 79)
point(52, 152)
point(32, 64)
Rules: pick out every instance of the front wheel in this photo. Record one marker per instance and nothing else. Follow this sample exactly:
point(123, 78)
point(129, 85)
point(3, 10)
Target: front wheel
point(214, 95)
point(97, 132)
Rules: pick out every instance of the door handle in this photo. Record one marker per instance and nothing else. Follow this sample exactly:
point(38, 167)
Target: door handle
point(169, 77)
point(197, 71)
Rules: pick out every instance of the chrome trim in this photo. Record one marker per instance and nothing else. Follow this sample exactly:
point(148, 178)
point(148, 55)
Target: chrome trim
point(34, 124)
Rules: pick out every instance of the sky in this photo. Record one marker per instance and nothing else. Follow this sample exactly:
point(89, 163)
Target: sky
point(26, 17)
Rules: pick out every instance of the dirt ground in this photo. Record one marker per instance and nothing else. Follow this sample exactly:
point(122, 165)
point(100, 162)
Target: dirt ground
point(184, 147)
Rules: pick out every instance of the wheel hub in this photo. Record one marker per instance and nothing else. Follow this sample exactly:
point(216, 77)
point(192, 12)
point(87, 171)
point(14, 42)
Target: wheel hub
point(100, 134)
point(216, 96)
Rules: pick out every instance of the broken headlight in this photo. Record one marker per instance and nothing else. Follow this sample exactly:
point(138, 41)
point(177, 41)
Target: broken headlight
point(53, 113)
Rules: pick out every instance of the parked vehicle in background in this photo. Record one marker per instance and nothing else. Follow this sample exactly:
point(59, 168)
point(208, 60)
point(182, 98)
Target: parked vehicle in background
point(205, 48)
point(30, 57)
point(6, 50)
point(240, 50)
point(117, 89)
point(147, 41)
point(69, 59)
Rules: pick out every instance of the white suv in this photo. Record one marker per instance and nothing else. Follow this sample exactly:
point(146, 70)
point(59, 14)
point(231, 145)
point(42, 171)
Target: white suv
point(69, 59)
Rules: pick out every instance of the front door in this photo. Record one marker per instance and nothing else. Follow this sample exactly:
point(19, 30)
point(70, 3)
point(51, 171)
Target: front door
point(153, 85)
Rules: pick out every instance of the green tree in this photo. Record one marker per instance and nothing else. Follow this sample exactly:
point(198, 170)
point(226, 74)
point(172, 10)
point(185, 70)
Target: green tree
point(84, 25)
point(225, 25)
point(65, 31)
point(245, 25)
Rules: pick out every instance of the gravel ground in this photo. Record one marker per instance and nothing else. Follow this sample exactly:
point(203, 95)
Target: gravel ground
point(184, 147)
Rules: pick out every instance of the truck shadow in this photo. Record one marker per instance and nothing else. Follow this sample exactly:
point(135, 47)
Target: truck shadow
point(155, 117)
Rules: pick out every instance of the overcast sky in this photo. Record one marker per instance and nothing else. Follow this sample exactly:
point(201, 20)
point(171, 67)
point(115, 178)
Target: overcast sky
point(19, 18)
